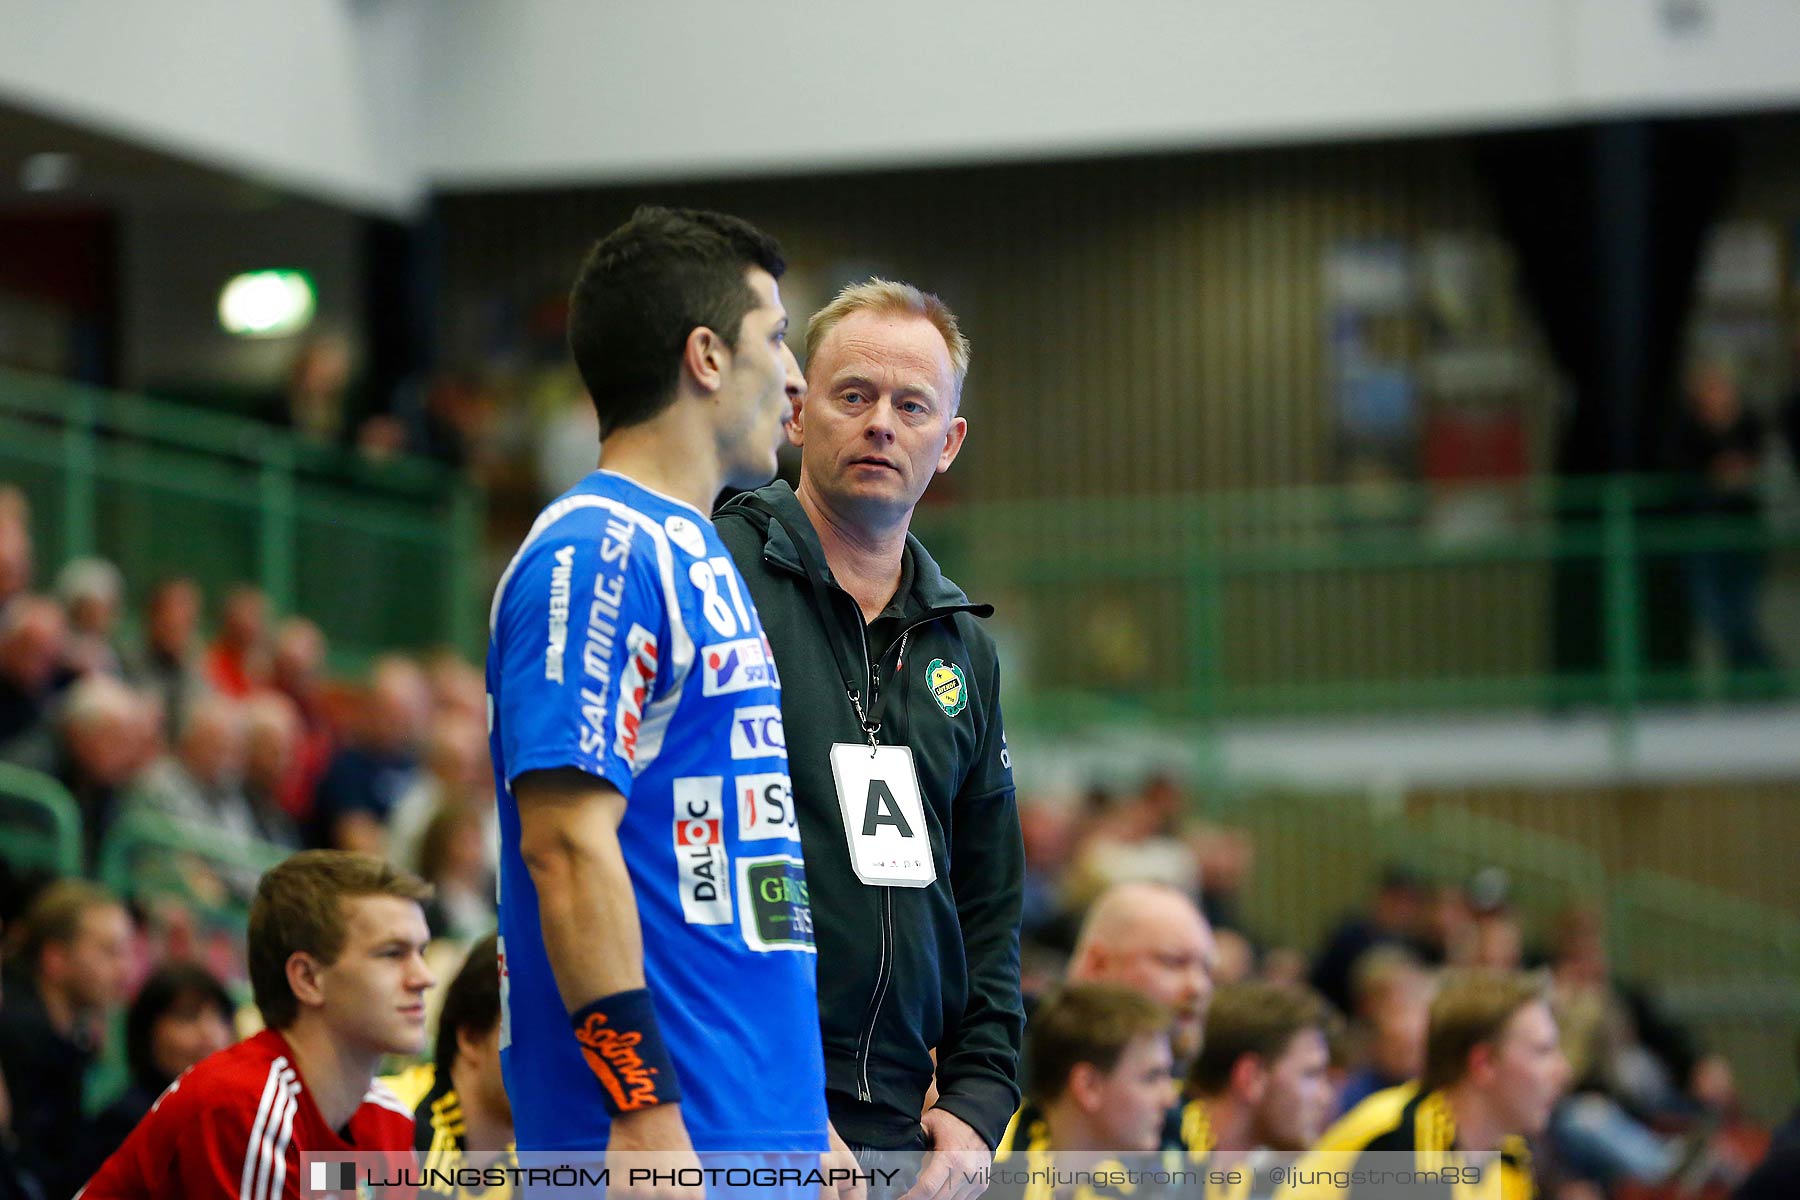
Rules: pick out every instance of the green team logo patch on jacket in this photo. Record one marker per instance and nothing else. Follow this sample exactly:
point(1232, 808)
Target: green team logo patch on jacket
point(948, 687)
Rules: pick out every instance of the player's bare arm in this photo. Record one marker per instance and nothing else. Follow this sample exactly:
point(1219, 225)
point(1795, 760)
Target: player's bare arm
point(568, 837)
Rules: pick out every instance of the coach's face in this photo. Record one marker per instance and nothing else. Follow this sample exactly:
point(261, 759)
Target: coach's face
point(373, 996)
point(878, 418)
point(758, 388)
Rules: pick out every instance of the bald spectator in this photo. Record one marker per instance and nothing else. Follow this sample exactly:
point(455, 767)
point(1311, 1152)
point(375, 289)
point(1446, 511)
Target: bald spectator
point(1153, 939)
point(368, 777)
point(102, 738)
point(166, 666)
point(73, 969)
point(92, 593)
point(32, 636)
point(238, 658)
point(15, 544)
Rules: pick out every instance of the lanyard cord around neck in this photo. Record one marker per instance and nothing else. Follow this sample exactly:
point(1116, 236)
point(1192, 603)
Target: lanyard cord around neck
point(869, 718)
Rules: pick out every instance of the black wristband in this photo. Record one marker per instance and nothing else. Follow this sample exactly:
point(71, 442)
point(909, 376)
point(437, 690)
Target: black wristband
point(624, 1049)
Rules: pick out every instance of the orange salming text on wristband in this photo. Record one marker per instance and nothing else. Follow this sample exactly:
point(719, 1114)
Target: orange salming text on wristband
point(614, 1056)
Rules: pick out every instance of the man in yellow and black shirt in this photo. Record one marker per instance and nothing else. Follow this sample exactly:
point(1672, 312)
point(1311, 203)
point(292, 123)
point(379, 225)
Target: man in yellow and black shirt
point(1493, 1071)
point(462, 1118)
point(1260, 1083)
point(1100, 1076)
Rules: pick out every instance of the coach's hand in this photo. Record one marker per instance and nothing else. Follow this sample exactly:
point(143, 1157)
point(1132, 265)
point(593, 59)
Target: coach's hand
point(840, 1159)
point(957, 1166)
point(652, 1141)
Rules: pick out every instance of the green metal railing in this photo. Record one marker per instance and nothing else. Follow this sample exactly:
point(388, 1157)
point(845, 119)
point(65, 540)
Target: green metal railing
point(1546, 593)
point(381, 555)
point(40, 822)
point(146, 855)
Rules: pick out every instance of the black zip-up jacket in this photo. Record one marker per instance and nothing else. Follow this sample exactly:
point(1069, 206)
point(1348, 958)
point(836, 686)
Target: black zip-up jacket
point(902, 971)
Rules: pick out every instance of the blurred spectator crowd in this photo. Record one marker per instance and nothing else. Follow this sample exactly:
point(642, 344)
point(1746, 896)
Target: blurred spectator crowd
point(1129, 888)
point(221, 720)
point(239, 743)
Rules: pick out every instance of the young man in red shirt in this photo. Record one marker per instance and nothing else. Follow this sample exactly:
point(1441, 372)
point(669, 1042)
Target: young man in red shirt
point(337, 964)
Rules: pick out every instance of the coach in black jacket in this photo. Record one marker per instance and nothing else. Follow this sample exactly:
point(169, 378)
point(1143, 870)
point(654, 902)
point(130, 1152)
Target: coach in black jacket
point(876, 649)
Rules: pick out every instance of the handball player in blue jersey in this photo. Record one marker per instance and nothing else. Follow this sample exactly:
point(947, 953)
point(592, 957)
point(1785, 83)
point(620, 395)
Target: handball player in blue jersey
point(657, 953)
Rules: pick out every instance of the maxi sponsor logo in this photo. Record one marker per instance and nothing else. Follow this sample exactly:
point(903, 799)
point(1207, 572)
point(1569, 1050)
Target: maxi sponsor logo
point(757, 732)
point(602, 632)
point(766, 808)
point(634, 691)
point(737, 666)
point(559, 614)
point(703, 870)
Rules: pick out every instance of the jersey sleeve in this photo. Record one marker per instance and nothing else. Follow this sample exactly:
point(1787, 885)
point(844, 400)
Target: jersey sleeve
point(580, 639)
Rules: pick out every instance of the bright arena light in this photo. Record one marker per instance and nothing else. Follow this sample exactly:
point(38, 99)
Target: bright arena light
point(266, 304)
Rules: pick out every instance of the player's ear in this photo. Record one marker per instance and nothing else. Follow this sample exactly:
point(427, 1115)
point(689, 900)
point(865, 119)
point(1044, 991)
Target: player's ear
point(1248, 1079)
point(468, 1041)
point(1481, 1062)
point(703, 358)
point(303, 971)
point(796, 427)
point(1086, 1082)
point(53, 961)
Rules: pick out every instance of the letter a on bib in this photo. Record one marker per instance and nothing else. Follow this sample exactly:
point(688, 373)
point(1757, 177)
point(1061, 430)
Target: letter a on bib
point(884, 817)
point(883, 809)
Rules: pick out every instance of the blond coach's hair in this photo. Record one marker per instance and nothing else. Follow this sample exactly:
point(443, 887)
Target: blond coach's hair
point(885, 296)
